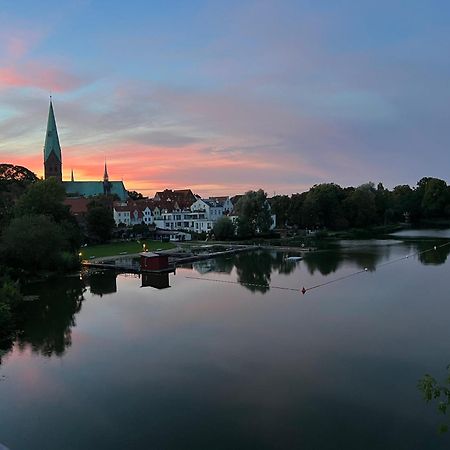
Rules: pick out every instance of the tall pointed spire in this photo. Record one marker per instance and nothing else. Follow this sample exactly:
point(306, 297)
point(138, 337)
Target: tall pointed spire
point(51, 138)
point(52, 149)
point(71, 176)
point(105, 175)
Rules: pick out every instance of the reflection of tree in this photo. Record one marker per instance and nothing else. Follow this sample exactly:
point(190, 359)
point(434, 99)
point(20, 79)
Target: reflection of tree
point(330, 261)
point(253, 270)
point(324, 262)
point(434, 257)
point(102, 282)
point(283, 265)
point(47, 322)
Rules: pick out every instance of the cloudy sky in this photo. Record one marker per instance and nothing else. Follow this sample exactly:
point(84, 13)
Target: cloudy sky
point(226, 96)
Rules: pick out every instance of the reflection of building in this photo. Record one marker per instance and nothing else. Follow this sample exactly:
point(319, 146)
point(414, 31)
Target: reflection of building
point(155, 280)
point(53, 168)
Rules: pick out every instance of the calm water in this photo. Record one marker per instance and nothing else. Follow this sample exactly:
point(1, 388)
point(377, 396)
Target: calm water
point(109, 362)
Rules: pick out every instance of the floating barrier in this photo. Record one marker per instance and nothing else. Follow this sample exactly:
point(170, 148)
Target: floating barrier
point(304, 289)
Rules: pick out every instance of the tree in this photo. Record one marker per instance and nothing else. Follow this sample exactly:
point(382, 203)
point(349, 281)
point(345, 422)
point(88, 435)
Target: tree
point(100, 222)
point(434, 196)
point(33, 243)
point(253, 211)
point(11, 174)
point(433, 391)
point(280, 206)
point(323, 207)
point(224, 228)
point(135, 195)
point(44, 197)
point(360, 206)
point(13, 182)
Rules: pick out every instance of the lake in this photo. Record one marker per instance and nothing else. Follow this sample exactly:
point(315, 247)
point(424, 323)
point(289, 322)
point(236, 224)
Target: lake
point(218, 356)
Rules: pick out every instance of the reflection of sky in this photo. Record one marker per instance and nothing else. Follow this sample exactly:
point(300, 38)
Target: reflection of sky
point(278, 95)
point(202, 363)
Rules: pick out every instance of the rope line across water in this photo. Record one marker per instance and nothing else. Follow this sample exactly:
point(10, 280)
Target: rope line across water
point(335, 280)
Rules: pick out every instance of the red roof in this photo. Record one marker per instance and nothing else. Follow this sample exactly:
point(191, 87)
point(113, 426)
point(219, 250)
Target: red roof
point(77, 205)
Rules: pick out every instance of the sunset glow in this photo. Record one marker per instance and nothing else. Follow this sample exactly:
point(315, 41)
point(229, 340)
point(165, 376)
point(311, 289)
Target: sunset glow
point(228, 98)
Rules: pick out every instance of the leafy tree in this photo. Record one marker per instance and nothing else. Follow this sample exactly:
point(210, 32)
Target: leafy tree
point(433, 391)
point(404, 201)
point(100, 222)
point(360, 206)
point(135, 195)
point(44, 197)
point(33, 243)
point(11, 174)
point(13, 182)
point(295, 214)
point(434, 196)
point(224, 228)
point(323, 207)
point(280, 206)
point(253, 211)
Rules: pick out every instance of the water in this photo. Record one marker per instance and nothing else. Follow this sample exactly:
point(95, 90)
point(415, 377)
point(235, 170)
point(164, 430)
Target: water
point(104, 363)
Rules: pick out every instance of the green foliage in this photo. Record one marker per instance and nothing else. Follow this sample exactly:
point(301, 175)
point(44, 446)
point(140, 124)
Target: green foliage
point(135, 195)
point(360, 206)
point(224, 228)
point(253, 211)
point(280, 205)
point(439, 393)
point(323, 207)
point(33, 243)
point(100, 222)
point(44, 197)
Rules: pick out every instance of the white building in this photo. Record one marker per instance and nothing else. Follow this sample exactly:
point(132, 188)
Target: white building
point(213, 207)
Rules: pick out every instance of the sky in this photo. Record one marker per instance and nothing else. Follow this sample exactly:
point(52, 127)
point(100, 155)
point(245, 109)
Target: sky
point(227, 96)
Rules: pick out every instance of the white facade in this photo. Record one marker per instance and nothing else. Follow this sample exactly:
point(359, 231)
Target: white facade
point(213, 208)
point(184, 220)
point(121, 216)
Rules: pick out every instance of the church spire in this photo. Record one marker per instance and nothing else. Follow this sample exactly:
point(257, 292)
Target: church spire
point(105, 175)
point(52, 149)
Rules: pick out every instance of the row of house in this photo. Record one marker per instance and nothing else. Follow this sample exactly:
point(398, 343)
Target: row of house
point(176, 210)
point(172, 210)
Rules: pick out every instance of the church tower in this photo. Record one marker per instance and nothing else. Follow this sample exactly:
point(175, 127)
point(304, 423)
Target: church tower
point(52, 149)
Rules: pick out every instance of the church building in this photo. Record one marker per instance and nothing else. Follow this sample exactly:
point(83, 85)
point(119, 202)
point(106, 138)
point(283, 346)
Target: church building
point(53, 168)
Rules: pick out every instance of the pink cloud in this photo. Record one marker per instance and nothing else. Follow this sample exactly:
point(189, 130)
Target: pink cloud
point(39, 75)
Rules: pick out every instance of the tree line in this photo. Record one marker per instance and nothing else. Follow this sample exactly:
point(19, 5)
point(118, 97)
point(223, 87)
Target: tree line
point(331, 206)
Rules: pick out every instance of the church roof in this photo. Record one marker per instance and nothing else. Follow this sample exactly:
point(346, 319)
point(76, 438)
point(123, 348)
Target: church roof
point(92, 188)
point(51, 137)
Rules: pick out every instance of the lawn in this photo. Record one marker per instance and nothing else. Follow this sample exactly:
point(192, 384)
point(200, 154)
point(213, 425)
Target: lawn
point(118, 248)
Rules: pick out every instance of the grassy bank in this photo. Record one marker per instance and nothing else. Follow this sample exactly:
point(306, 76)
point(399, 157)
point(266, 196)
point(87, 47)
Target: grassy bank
point(118, 248)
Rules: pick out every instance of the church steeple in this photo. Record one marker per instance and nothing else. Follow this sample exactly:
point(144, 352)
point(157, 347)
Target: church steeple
point(106, 184)
point(105, 174)
point(52, 149)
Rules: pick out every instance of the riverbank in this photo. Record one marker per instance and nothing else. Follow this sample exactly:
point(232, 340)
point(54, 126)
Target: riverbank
point(123, 248)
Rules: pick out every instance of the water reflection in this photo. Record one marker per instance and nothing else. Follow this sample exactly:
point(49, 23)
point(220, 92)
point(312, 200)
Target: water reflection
point(253, 269)
point(155, 280)
point(432, 257)
point(101, 282)
point(47, 322)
